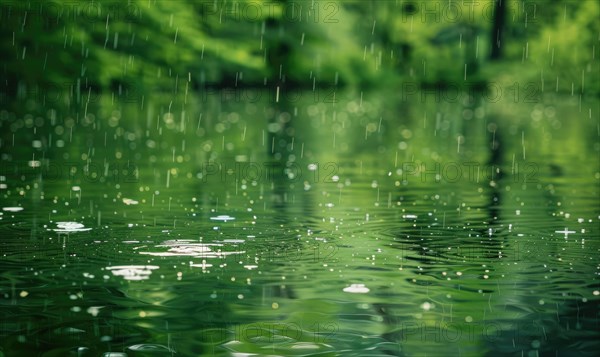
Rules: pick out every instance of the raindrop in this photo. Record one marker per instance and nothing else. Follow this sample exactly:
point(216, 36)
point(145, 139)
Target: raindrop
point(357, 289)
point(66, 227)
point(148, 347)
point(223, 218)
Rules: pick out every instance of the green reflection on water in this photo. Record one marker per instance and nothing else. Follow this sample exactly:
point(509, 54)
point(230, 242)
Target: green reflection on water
point(222, 225)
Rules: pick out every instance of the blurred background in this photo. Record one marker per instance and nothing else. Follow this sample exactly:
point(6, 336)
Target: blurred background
point(179, 45)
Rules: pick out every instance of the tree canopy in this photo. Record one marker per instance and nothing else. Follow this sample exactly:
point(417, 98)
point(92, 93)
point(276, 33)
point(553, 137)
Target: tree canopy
point(173, 45)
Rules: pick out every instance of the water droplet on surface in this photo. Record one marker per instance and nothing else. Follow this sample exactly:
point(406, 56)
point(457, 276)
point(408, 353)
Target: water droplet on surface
point(357, 289)
point(132, 272)
point(94, 310)
point(223, 218)
point(129, 201)
point(148, 347)
point(66, 227)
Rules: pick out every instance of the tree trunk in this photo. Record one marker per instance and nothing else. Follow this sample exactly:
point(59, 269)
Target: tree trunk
point(498, 29)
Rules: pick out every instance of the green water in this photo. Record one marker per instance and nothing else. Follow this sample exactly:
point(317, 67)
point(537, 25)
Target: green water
point(309, 223)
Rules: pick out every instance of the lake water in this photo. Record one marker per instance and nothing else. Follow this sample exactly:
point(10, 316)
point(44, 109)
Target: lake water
point(248, 222)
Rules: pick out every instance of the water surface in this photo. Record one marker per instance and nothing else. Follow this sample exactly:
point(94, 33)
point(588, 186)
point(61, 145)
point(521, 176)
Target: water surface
point(360, 224)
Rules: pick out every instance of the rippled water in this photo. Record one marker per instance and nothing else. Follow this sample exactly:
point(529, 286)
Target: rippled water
point(191, 227)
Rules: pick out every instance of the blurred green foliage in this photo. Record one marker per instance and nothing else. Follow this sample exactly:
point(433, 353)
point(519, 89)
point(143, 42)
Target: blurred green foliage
point(182, 45)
